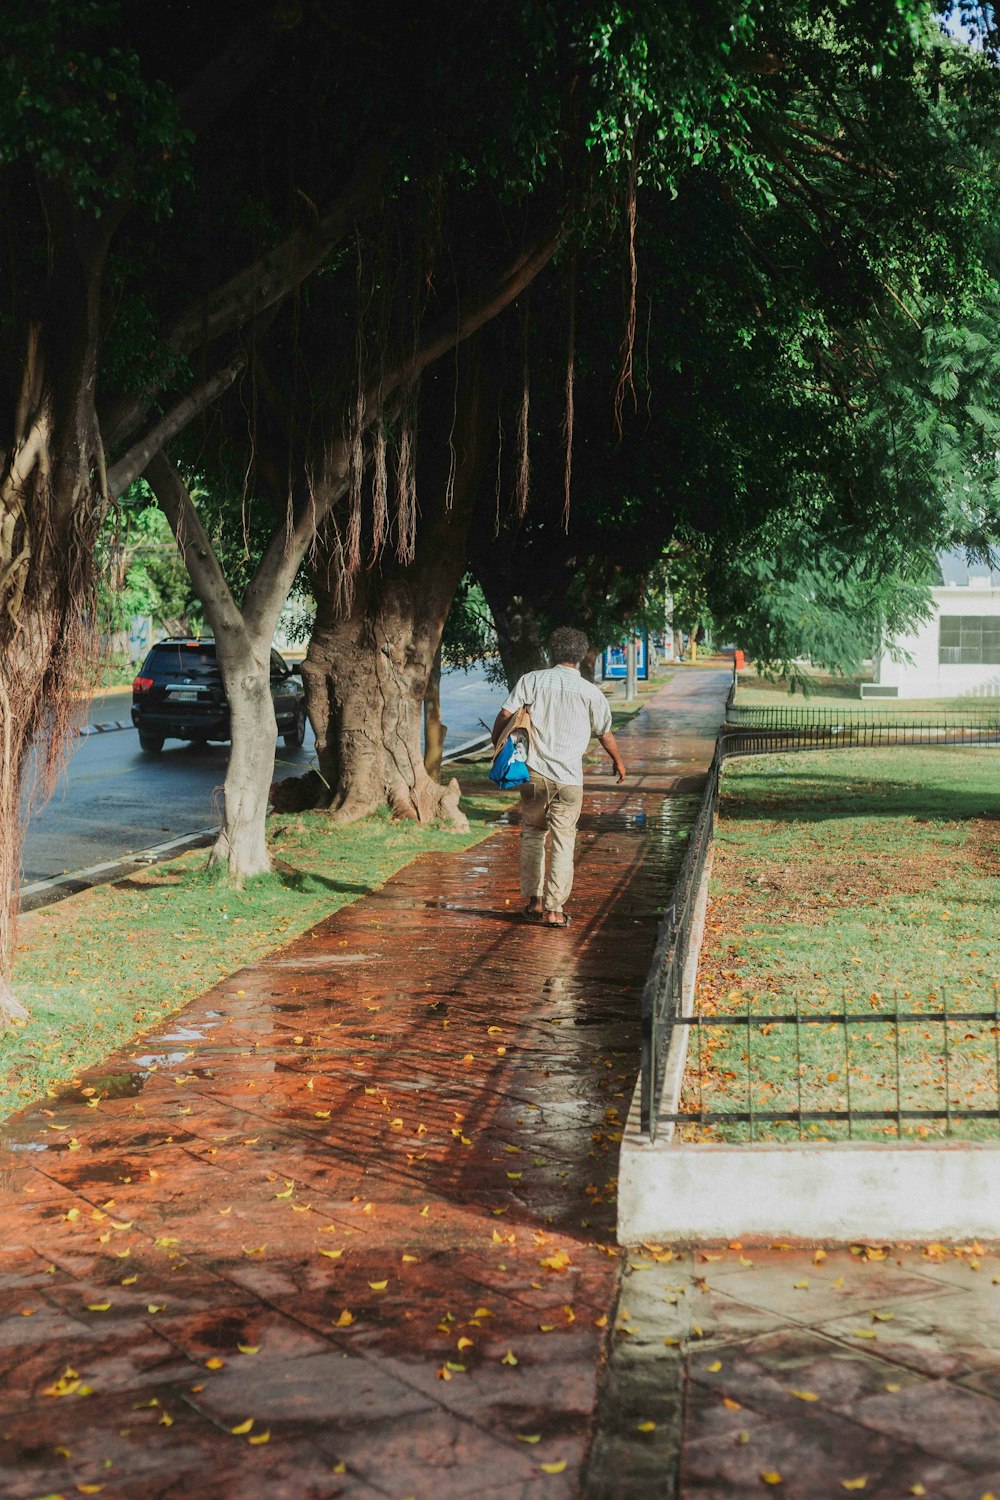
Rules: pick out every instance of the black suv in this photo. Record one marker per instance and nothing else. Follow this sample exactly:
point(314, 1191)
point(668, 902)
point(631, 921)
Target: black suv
point(178, 694)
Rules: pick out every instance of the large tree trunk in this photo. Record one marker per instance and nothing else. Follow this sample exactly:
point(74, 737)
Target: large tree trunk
point(53, 495)
point(519, 632)
point(435, 731)
point(365, 675)
point(367, 671)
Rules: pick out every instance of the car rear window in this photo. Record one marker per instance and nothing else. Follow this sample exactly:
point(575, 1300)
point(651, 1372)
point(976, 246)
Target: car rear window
point(196, 660)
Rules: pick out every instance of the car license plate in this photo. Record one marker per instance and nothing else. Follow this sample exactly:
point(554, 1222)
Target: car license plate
point(185, 695)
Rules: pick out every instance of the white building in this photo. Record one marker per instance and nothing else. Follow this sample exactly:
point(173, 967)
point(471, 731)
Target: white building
point(956, 653)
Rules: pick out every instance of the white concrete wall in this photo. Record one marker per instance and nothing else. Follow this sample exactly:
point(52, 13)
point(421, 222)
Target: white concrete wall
point(925, 676)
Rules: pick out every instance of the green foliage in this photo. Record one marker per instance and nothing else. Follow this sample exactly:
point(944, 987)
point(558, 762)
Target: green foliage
point(77, 106)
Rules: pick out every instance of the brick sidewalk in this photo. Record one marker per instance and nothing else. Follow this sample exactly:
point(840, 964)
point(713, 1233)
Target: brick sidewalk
point(344, 1226)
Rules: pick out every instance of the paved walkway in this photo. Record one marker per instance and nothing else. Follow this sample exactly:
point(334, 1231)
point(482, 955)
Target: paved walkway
point(806, 1374)
point(344, 1226)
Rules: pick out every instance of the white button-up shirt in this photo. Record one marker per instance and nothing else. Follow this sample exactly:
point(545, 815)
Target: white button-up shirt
point(565, 711)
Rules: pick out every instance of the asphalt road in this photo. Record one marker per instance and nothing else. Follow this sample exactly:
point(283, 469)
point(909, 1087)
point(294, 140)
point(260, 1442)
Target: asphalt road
point(112, 800)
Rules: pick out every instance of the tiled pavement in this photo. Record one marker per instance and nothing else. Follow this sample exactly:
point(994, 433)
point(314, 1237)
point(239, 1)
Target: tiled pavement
point(810, 1374)
point(345, 1225)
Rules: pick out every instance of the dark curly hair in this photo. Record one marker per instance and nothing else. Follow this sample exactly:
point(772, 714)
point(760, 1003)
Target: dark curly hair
point(567, 645)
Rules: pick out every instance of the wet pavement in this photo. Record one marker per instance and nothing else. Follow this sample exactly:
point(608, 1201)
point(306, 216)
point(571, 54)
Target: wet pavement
point(344, 1226)
point(805, 1373)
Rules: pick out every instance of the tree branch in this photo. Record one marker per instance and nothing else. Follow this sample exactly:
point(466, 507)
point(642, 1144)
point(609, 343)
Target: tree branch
point(195, 546)
point(131, 464)
point(268, 279)
point(288, 546)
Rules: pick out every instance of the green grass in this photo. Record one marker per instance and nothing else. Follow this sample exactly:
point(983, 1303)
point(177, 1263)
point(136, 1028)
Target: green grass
point(844, 693)
point(852, 878)
point(100, 967)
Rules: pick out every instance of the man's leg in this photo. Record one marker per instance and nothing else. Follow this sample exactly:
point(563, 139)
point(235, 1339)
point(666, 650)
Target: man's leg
point(563, 816)
point(534, 800)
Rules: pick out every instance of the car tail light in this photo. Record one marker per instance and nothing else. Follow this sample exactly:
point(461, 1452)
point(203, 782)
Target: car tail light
point(142, 684)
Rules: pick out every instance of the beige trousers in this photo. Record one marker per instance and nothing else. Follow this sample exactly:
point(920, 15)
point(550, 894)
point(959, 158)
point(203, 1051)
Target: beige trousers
point(548, 807)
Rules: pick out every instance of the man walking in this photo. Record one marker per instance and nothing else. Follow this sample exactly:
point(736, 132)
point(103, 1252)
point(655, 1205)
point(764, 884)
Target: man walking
point(565, 711)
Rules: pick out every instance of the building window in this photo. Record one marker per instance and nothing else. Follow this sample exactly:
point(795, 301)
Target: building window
point(969, 640)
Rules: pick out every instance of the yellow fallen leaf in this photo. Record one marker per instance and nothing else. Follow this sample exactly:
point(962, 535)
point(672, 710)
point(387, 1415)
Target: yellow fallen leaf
point(865, 1333)
point(602, 1321)
point(332, 1254)
point(345, 1320)
point(805, 1395)
point(129, 1280)
point(396, 1124)
point(215, 1363)
point(556, 1467)
point(166, 1420)
point(878, 1317)
point(248, 1348)
point(730, 1404)
point(468, 1058)
point(289, 1190)
point(409, 1257)
point(771, 1476)
point(510, 1358)
point(839, 1282)
point(378, 1286)
point(322, 1114)
point(66, 1385)
point(425, 1210)
point(260, 1437)
point(646, 1426)
point(556, 1262)
point(98, 1306)
point(893, 1386)
point(917, 1489)
point(482, 1312)
point(801, 1286)
point(340, 1468)
point(242, 1428)
point(89, 1489)
point(369, 1208)
point(855, 1484)
point(155, 1307)
point(529, 1437)
point(714, 1367)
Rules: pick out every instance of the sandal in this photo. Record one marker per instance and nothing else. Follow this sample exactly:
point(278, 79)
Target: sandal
point(532, 913)
point(565, 920)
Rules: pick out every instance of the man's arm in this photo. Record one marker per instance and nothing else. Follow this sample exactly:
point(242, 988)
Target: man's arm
point(502, 718)
point(610, 744)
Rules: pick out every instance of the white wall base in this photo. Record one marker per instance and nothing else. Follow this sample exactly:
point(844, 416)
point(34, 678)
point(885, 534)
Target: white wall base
point(840, 1192)
point(679, 1192)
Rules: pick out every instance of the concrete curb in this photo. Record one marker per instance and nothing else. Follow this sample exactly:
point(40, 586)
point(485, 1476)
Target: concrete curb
point(108, 728)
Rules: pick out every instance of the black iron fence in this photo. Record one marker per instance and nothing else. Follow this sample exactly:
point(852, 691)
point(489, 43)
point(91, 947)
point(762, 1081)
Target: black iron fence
point(968, 1066)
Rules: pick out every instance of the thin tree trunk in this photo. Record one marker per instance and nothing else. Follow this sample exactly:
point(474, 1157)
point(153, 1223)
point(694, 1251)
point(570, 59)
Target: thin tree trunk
point(244, 657)
point(588, 667)
point(242, 845)
point(434, 730)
